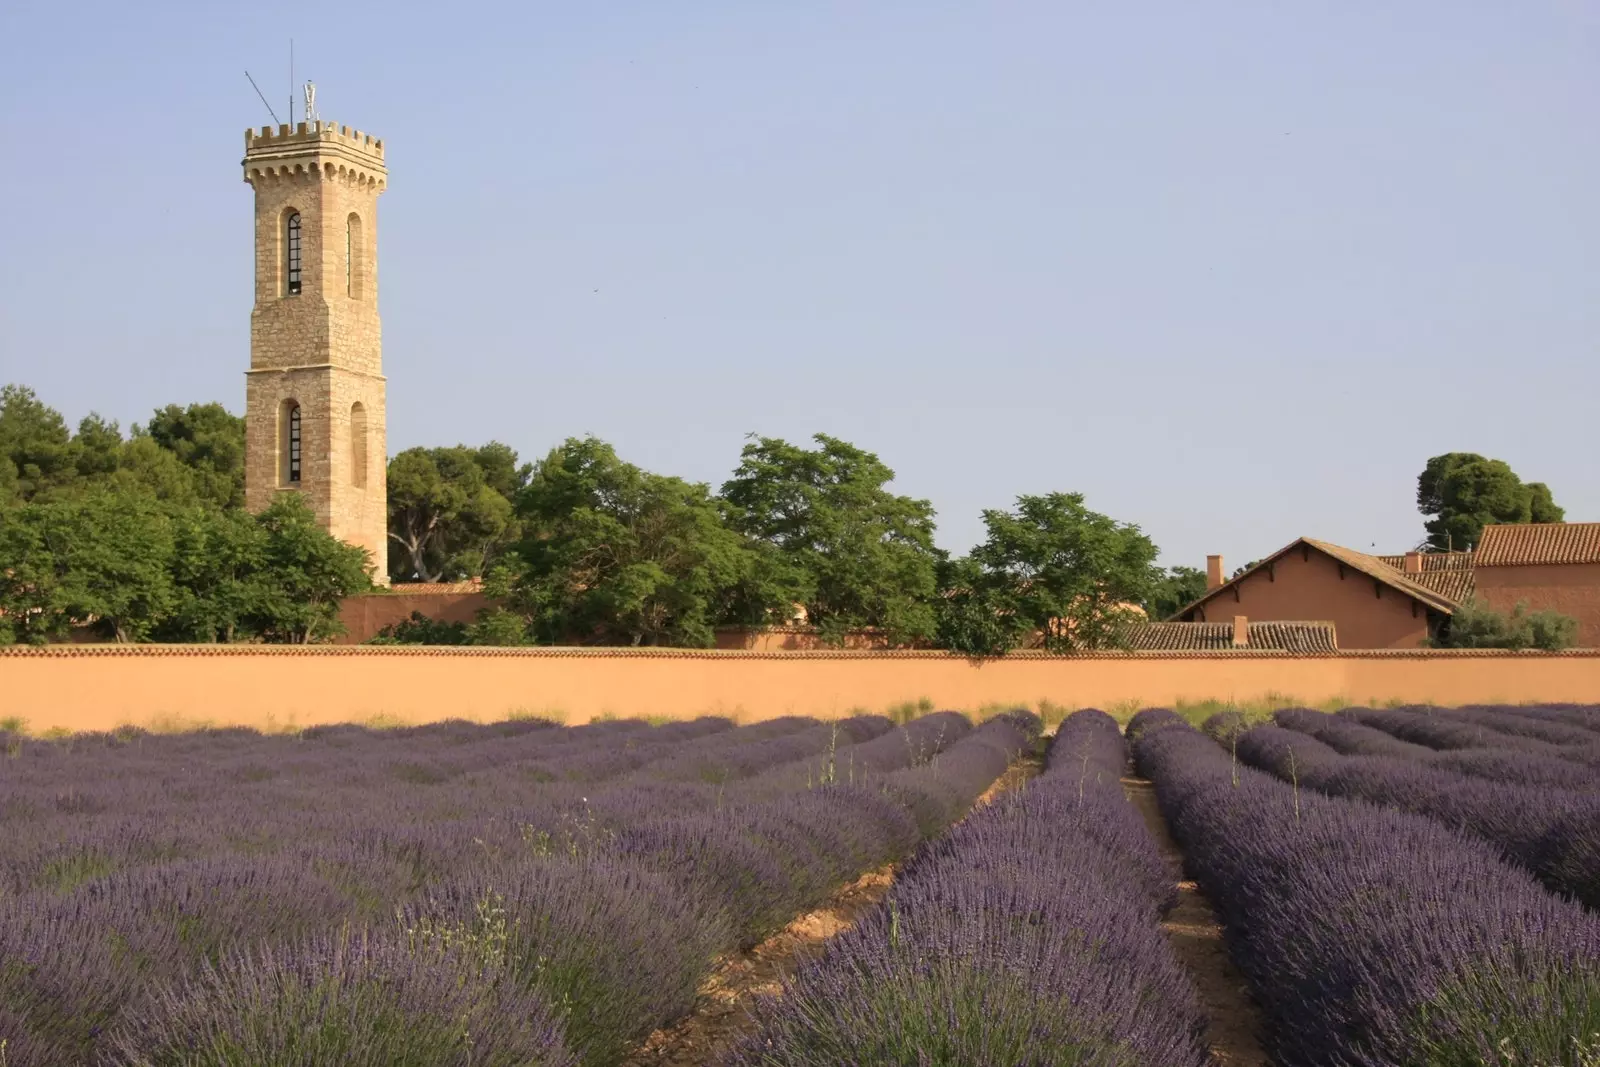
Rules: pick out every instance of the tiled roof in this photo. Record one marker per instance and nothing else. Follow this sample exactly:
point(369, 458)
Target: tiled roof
point(1374, 567)
point(1524, 544)
point(1304, 638)
point(471, 585)
point(1447, 573)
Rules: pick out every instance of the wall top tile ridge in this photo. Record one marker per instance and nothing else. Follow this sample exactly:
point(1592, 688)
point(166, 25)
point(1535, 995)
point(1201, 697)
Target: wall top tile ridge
point(427, 651)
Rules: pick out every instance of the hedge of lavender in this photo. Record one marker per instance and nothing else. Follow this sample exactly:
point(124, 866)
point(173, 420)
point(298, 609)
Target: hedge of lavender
point(1373, 937)
point(1552, 828)
point(1027, 935)
point(1543, 829)
point(1449, 729)
point(151, 882)
point(1515, 765)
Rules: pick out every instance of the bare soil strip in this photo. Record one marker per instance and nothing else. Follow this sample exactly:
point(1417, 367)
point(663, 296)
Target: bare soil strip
point(1196, 938)
point(722, 1014)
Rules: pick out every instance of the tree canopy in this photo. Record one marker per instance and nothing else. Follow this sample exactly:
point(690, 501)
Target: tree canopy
point(1174, 590)
point(855, 554)
point(450, 510)
point(612, 554)
point(1072, 574)
point(1462, 492)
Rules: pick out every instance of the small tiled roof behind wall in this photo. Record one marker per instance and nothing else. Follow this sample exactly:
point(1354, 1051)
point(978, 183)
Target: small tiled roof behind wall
point(1531, 544)
point(1304, 638)
point(1447, 573)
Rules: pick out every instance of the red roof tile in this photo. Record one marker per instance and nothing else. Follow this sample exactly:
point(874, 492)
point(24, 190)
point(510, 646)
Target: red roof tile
point(1303, 638)
point(1532, 543)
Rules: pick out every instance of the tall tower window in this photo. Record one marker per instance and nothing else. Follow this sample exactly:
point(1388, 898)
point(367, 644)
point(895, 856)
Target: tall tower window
point(358, 445)
point(355, 256)
point(291, 443)
point(291, 248)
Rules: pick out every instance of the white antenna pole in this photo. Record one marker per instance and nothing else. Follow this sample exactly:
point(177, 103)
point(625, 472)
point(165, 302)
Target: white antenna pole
point(291, 80)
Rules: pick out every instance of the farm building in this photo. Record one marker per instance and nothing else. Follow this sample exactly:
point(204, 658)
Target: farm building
point(1548, 566)
point(1398, 601)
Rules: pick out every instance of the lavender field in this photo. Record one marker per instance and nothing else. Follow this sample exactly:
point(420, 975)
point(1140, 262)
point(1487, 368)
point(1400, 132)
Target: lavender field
point(1393, 887)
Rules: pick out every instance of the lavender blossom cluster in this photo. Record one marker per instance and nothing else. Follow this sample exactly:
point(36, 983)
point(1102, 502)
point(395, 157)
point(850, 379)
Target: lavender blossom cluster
point(1028, 935)
point(1540, 811)
point(1372, 937)
point(517, 893)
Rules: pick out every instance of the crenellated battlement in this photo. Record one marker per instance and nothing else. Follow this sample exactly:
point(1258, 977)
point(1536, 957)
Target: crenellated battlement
point(307, 134)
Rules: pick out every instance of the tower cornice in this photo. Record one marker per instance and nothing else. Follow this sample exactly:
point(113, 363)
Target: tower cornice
point(316, 149)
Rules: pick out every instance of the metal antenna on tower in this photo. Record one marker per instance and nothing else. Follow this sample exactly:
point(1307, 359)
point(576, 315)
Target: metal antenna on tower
point(311, 103)
point(263, 96)
point(291, 79)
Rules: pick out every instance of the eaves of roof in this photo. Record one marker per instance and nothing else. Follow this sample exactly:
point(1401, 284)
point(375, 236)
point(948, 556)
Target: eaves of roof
point(1371, 566)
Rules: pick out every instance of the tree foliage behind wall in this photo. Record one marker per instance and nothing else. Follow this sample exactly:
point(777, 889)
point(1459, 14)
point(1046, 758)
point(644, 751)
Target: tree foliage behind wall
point(1462, 492)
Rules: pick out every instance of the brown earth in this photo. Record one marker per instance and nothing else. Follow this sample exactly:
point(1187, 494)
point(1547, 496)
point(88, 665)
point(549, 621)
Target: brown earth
point(1196, 938)
point(722, 1013)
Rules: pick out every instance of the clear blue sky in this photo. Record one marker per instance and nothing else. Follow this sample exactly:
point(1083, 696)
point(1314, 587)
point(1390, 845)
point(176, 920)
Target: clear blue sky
point(1234, 270)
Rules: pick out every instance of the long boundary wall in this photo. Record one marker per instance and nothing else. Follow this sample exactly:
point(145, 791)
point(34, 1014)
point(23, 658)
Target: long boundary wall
point(102, 687)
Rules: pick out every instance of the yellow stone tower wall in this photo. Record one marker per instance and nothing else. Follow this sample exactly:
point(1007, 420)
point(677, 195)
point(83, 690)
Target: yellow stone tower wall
point(321, 347)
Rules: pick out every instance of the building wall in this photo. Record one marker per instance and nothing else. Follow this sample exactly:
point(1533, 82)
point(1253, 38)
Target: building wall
point(1307, 587)
point(103, 687)
point(363, 616)
point(1570, 588)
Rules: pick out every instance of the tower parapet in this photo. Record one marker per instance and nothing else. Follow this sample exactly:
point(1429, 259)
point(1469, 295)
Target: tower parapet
point(316, 148)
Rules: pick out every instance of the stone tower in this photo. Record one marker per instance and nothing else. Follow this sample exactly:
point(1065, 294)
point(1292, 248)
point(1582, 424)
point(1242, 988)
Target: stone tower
point(314, 412)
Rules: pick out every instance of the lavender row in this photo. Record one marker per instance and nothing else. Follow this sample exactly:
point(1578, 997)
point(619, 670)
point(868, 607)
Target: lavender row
point(1373, 937)
point(1026, 936)
point(1514, 765)
point(71, 811)
point(1447, 729)
point(611, 912)
point(1553, 833)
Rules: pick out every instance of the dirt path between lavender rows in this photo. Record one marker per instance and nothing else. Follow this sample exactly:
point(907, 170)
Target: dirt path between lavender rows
point(722, 1013)
point(1196, 939)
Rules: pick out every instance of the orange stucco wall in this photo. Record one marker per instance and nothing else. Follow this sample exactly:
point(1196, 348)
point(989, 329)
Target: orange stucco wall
point(1570, 588)
point(363, 616)
point(1307, 587)
point(104, 687)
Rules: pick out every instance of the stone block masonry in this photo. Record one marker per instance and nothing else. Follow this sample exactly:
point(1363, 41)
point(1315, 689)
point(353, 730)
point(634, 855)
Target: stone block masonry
point(316, 344)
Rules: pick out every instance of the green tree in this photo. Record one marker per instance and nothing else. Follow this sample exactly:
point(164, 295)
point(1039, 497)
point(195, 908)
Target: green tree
point(220, 574)
point(971, 618)
point(1174, 590)
point(36, 440)
point(854, 553)
point(96, 448)
point(1476, 625)
point(309, 572)
point(102, 557)
point(612, 554)
point(419, 629)
point(451, 511)
point(1066, 571)
point(208, 441)
point(1462, 492)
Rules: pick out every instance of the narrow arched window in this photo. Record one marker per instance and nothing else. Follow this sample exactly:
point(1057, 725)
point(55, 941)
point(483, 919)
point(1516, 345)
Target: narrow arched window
point(358, 445)
point(291, 253)
point(290, 461)
point(355, 256)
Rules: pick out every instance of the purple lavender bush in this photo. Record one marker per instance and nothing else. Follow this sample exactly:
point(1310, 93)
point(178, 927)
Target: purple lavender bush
point(1373, 938)
point(616, 949)
point(352, 999)
point(1536, 827)
point(1026, 936)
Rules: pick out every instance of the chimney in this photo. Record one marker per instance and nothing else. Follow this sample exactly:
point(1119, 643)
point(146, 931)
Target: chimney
point(1213, 573)
point(1241, 632)
point(1413, 563)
